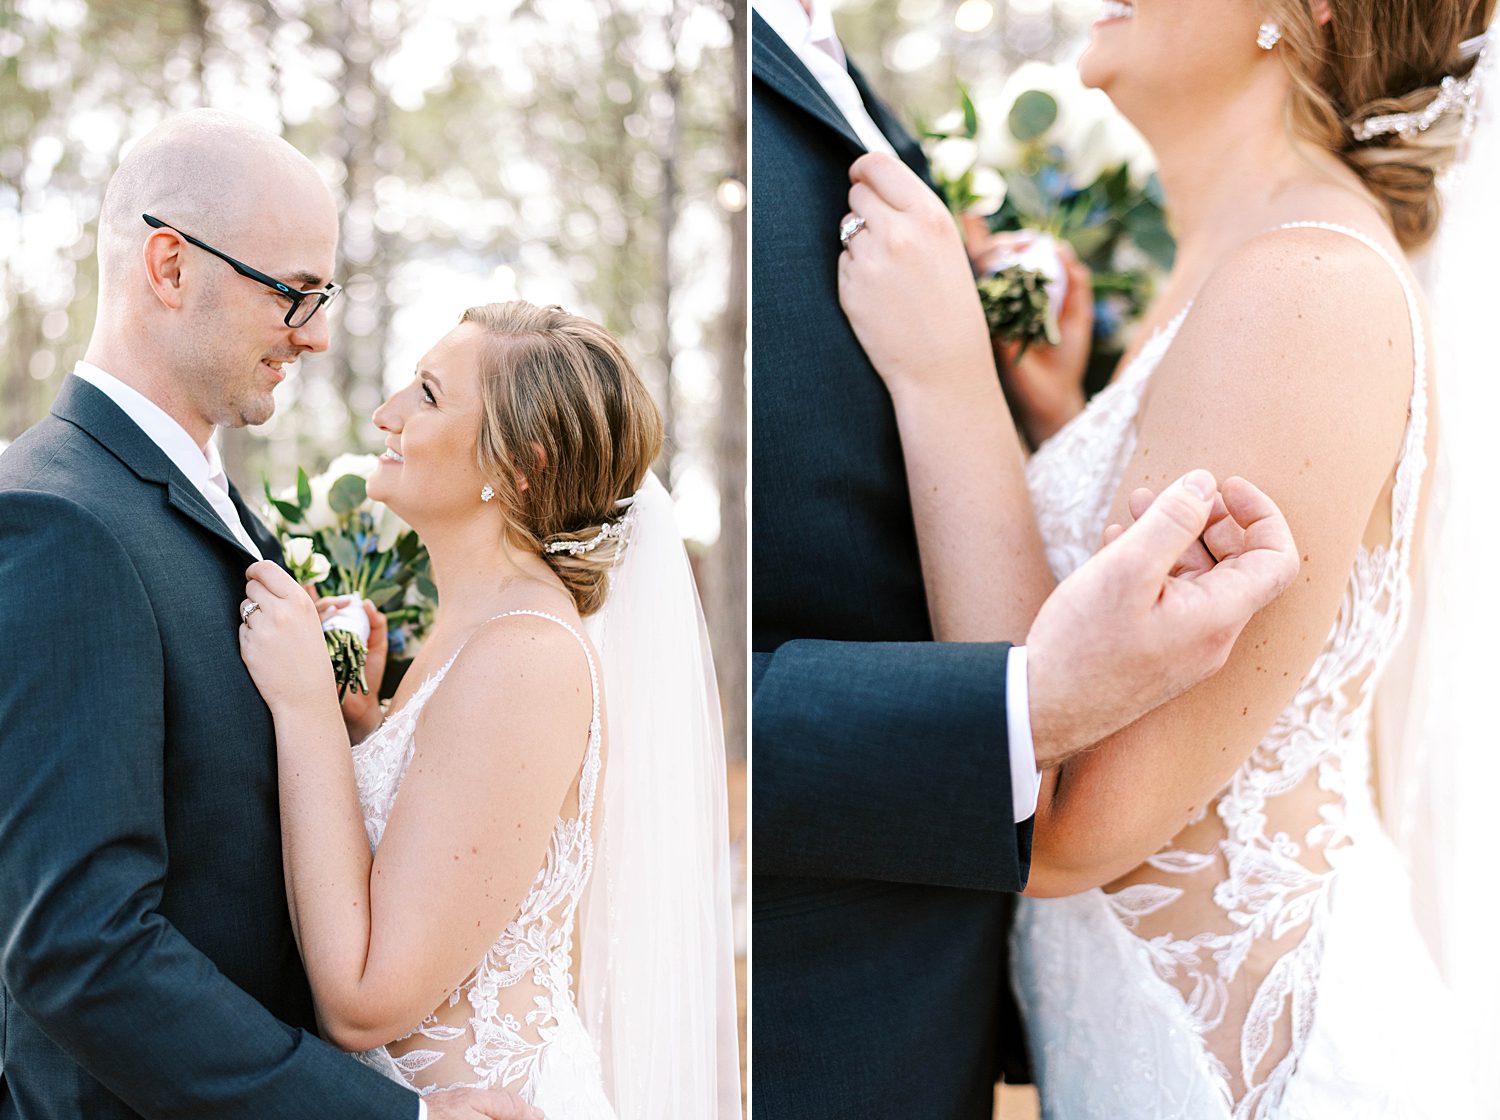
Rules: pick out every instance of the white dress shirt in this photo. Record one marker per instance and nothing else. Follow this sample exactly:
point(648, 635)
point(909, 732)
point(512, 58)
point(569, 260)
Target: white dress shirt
point(201, 465)
point(809, 33)
point(817, 46)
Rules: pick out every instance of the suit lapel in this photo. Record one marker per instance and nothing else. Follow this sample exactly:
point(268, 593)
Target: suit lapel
point(905, 144)
point(264, 539)
point(85, 407)
point(776, 65)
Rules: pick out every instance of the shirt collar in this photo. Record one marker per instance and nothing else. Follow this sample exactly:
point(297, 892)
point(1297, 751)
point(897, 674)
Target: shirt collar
point(797, 29)
point(199, 464)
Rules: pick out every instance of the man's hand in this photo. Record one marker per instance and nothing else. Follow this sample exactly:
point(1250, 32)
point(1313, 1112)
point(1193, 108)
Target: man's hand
point(479, 1104)
point(1155, 611)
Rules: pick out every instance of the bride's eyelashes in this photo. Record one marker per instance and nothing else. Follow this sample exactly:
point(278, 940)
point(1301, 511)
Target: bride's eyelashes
point(427, 395)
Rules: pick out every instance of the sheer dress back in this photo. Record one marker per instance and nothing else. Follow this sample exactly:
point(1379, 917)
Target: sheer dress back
point(513, 1022)
point(1220, 943)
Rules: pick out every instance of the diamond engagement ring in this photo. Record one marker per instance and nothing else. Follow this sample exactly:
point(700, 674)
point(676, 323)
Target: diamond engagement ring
point(247, 609)
point(849, 228)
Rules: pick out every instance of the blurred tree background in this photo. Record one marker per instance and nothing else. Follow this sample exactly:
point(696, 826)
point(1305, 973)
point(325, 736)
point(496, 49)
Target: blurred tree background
point(578, 152)
point(915, 52)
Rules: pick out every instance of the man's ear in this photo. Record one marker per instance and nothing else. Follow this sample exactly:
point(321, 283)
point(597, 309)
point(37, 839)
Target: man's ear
point(162, 256)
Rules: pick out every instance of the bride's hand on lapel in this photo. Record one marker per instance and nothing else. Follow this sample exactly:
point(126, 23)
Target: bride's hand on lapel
point(281, 641)
point(906, 285)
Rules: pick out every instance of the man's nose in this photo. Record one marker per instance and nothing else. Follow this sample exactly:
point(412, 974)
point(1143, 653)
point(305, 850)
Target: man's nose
point(313, 334)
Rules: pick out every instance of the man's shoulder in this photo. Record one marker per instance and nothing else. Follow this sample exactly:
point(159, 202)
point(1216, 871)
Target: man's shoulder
point(60, 488)
point(56, 457)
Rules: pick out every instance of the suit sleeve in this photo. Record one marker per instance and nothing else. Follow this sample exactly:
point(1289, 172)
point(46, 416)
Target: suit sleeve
point(886, 761)
point(84, 951)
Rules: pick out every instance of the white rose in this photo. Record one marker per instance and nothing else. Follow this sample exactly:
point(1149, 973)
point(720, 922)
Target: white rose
point(1098, 137)
point(319, 515)
point(362, 465)
point(298, 551)
point(989, 186)
point(320, 567)
point(952, 157)
point(389, 527)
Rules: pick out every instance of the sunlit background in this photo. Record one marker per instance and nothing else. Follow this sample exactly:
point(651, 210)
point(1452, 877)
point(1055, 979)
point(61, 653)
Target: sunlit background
point(917, 54)
point(578, 152)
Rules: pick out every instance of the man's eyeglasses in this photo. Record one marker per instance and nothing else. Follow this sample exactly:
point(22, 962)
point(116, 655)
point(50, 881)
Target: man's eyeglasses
point(304, 304)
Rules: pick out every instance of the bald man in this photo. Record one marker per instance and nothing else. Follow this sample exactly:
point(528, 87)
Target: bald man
point(147, 963)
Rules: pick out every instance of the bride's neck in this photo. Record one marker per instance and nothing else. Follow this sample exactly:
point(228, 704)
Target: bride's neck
point(472, 565)
point(1223, 167)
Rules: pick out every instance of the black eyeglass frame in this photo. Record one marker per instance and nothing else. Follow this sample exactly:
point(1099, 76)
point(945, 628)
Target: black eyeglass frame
point(324, 295)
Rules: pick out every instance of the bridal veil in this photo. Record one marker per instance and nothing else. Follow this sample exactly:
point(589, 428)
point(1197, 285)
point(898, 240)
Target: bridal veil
point(1438, 728)
point(656, 964)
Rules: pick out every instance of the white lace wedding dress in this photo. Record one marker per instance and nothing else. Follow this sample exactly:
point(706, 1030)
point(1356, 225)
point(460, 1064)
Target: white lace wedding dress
point(513, 1023)
point(1265, 964)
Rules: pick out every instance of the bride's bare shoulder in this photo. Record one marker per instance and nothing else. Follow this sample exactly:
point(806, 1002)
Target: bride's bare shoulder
point(1293, 369)
point(1306, 314)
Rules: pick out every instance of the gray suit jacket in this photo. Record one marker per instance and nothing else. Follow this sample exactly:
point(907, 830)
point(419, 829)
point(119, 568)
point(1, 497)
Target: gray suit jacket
point(147, 966)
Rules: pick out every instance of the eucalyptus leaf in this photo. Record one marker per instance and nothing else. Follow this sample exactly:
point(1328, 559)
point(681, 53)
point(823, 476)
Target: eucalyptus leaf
point(347, 494)
point(342, 552)
point(1090, 240)
point(304, 489)
point(383, 593)
point(1027, 195)
point(1033, 113)
point(1148, 229)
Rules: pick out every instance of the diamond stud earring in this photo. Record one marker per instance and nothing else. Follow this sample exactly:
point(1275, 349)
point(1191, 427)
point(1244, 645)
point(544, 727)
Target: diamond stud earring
point(1270, 35)
point(487, 493)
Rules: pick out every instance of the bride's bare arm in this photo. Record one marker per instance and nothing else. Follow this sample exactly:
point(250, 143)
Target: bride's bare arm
point(385, 940)
point(1294, 369)
point(906, 287)
point(1307, 402)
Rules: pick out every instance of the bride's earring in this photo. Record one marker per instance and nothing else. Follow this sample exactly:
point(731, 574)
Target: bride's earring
point(1270, 35)
point(487, 493)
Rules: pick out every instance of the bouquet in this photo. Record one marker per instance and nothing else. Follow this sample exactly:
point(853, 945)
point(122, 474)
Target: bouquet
point(1064, 167)
point(335, 538)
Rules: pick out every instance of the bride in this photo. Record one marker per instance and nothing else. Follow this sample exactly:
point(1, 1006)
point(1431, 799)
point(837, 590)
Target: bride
point(1220, 926)
point(517, 878)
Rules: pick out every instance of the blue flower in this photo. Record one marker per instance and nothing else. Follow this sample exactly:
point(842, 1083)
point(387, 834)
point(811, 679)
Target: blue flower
point(396, 640)
point(1055, 183)
point(1106, 319)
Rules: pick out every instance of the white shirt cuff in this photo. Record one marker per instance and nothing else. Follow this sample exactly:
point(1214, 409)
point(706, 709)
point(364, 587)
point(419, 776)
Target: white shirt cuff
point(421, 1109)
point(1025, 778)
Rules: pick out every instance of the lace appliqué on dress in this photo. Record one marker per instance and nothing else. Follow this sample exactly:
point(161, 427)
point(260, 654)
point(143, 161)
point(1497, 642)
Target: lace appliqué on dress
point(519, 996)
point(1230, 919)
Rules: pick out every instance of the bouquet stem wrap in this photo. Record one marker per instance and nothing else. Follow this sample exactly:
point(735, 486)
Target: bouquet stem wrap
point(347, 634)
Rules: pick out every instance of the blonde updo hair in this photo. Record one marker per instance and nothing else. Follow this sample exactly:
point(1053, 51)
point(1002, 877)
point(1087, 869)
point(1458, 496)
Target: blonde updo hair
point(564, 410)
point(1372, 58)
